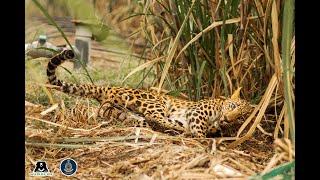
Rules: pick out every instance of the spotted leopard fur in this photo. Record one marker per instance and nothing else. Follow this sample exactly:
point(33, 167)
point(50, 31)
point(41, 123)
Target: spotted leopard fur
point(160, 112)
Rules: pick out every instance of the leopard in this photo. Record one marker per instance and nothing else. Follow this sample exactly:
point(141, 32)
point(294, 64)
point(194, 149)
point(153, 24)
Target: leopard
point(158, 111)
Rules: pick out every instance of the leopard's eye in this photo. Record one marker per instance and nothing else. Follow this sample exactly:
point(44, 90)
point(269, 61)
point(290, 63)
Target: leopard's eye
point(232, 105)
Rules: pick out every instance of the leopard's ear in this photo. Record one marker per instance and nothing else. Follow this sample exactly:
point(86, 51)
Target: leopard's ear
point(236, 94)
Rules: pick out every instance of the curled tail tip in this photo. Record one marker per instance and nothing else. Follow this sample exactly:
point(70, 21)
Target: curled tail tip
point(55, 62)
point(68, 54)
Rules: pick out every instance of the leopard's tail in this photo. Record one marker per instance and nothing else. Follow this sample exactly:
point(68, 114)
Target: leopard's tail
point(54, 63)
point(85, 90)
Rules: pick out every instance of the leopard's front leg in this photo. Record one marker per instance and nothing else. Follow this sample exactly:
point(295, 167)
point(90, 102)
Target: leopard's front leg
point(197, 122)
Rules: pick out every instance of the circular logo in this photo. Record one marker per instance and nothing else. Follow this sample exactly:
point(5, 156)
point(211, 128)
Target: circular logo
point(68, 167)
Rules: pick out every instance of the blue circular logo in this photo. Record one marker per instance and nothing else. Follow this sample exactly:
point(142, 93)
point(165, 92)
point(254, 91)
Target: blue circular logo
point(68, 167)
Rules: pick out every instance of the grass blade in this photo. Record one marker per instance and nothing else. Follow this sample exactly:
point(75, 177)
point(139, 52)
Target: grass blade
point(287, 31)
point(143, 66)
point(275, 30)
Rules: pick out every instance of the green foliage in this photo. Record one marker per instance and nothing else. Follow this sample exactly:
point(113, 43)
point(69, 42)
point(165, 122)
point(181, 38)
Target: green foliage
point(223, 45)
point(243, 60)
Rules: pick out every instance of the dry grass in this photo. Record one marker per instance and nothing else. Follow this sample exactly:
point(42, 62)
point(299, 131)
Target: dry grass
point(108, 150)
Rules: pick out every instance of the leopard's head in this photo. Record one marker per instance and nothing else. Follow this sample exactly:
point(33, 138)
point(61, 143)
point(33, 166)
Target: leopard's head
point(234, 107)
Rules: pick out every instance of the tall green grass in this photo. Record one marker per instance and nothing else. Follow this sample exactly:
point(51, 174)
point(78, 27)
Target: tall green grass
point(223, 45)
